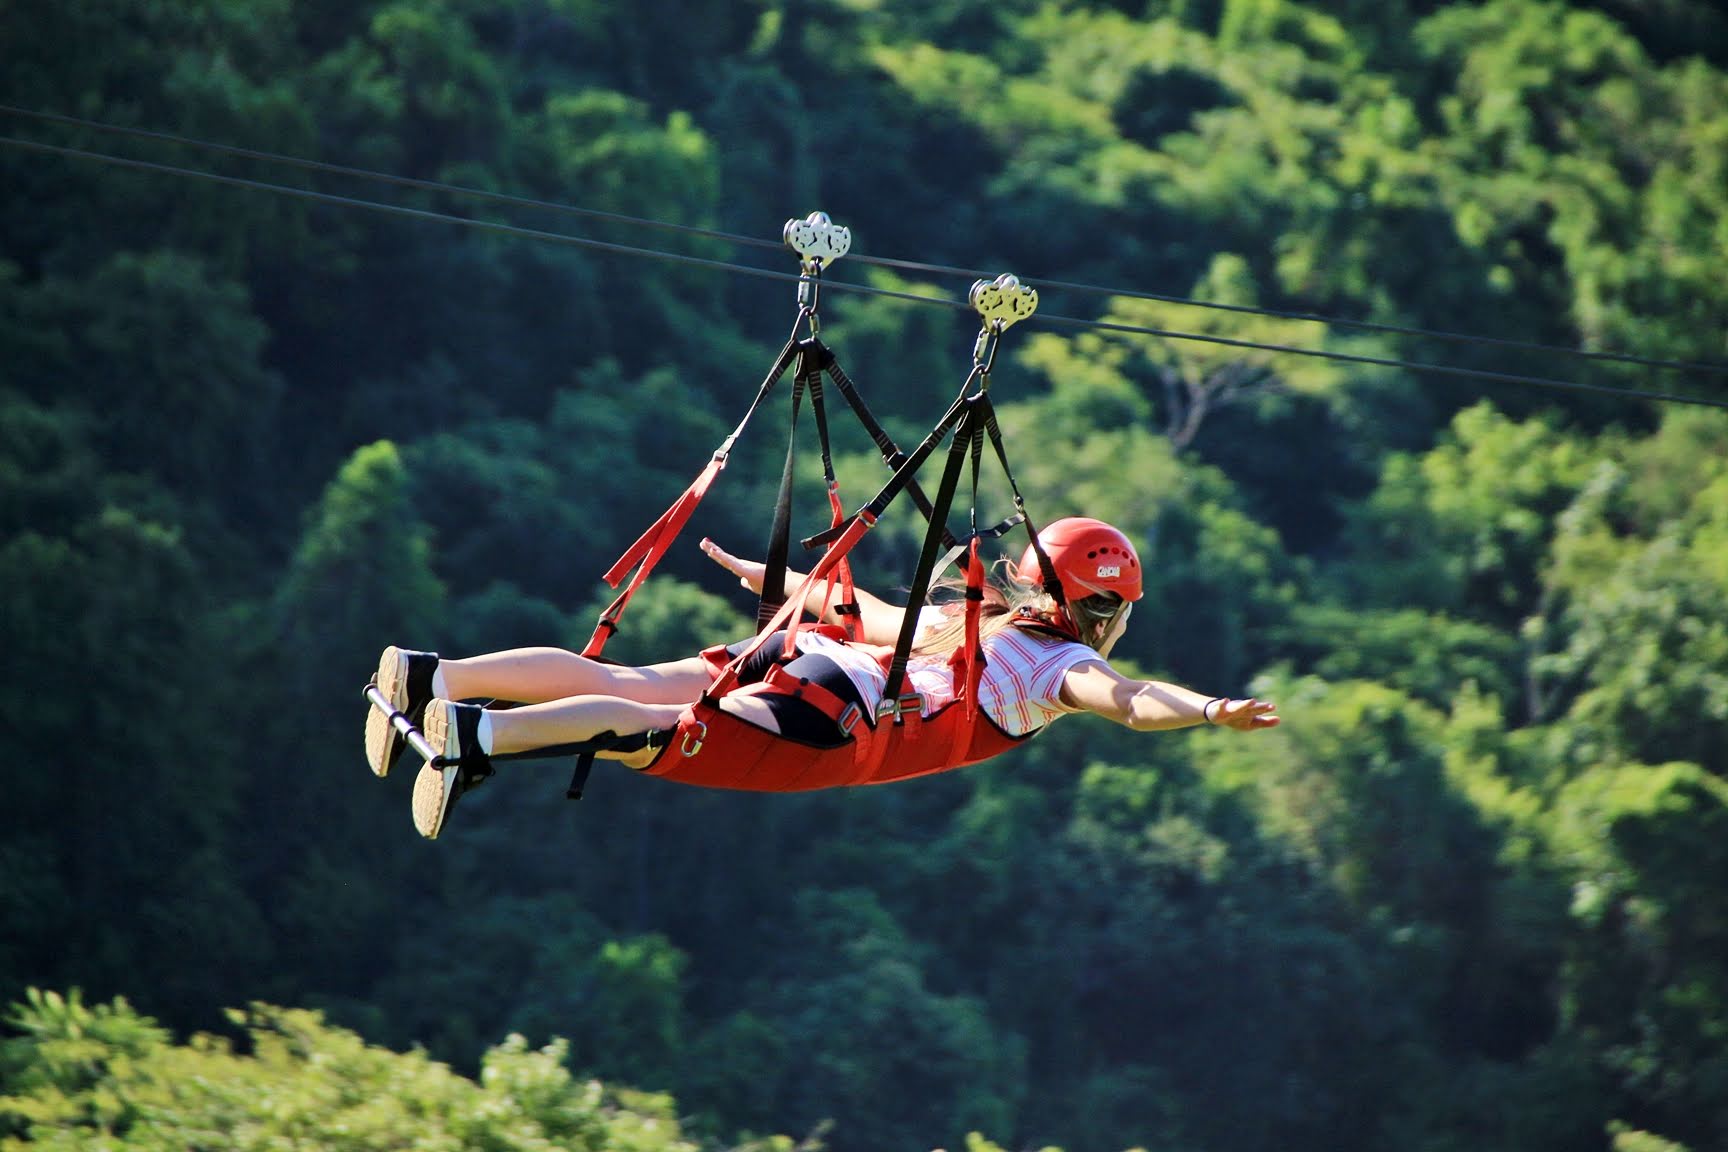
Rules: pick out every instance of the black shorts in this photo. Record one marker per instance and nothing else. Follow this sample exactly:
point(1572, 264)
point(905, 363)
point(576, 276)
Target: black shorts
point(799, 719)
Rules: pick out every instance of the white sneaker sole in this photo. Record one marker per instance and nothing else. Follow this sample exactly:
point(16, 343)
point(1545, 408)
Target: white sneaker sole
point(382, 739)
point(435, 787)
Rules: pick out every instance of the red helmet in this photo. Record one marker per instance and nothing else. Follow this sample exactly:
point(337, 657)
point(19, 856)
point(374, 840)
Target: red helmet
point(1089, 557)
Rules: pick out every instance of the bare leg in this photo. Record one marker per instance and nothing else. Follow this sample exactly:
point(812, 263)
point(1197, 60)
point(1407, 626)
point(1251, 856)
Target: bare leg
point(582, 718)
point(538, 675)
point(574, 720)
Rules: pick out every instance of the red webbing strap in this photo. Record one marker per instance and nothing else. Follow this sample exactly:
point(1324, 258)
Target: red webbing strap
point(968, 663)
point(842, 577)
point(794, 606)
point(653, 544)
point(848, 607)
point(647, 551)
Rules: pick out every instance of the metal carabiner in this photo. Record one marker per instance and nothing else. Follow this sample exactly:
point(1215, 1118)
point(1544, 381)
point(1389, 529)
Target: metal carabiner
point(692, 746)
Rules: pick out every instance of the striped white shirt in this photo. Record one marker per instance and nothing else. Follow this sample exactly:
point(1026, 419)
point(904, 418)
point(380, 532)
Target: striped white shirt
point(1021, 689)
point(1023, 671)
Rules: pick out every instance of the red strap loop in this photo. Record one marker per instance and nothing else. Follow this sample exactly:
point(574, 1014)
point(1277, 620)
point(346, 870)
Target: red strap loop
point(647, 552)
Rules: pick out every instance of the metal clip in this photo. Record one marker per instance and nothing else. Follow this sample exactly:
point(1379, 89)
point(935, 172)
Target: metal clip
point(1003, 301)
point(817, 239)
point(900, 705)
point(692, 746)
point(848, 719)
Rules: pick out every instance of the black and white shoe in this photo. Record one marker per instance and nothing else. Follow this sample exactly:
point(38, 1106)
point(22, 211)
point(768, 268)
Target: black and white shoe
point(453, 730)
point(404, 678)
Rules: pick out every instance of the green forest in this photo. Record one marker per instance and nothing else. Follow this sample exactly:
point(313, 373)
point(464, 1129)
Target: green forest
point(1470, 896)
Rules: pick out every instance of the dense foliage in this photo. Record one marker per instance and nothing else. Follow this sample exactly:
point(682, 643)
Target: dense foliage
point(1473, 895)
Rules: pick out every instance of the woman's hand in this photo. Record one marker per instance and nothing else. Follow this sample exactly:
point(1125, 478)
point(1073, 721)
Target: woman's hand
point(1243, 715)
point(749, 572)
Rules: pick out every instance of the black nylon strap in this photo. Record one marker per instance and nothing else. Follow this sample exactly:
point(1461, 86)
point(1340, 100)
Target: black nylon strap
point(579, 776)
point(587, 751)
point(902, 475)
point(965, 438)
point(891, 453)
point(781, 363)
point(779, 535)
point(884, 442)
point(1052, 583)
point(819, 410)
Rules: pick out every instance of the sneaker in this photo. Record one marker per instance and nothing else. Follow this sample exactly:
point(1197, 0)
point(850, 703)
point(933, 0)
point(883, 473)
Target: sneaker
point(405, 679)
point(453, 731)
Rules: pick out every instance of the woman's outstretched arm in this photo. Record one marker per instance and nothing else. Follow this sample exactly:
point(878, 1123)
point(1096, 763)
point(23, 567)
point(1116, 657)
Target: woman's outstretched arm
point(1153, 705)
point(878, 620)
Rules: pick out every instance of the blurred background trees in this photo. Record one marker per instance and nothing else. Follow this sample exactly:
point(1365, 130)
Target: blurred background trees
point(1470, 896)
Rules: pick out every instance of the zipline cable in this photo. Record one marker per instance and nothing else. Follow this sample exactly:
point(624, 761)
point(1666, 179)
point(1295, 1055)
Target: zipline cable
point(881, 261)
point(466, 221)
point(389, 178)
point(860, 289)
point(1691, 366)
point(1381, 362)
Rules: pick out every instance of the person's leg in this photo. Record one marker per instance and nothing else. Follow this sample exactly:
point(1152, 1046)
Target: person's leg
point(574, 720)
point(538, 675)
point(465, 738)
point(581, 718)
point(657, 699)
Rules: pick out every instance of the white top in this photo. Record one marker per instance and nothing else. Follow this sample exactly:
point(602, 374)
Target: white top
point(1021, 689)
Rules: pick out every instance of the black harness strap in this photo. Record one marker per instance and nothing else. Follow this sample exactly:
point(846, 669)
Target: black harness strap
point(779, 535)
point(588, 751)
point(891, 453)
point(965, 442)
point(1052, 584)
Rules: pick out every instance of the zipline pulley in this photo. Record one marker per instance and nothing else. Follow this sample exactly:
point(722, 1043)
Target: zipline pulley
point(1001, 303)
point(819, 242)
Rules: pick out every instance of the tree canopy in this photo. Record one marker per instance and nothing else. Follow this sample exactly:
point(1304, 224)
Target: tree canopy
point(1470, 896)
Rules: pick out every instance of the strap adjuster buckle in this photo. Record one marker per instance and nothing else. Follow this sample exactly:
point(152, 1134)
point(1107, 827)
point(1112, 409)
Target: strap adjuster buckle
point(900, 705)
point(848, 719)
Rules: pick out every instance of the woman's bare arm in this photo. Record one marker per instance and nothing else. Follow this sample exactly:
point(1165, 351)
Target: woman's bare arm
point(1153, 705)
point(878, 621)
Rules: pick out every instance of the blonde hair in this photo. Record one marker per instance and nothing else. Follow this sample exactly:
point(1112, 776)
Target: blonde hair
point(1004, 601)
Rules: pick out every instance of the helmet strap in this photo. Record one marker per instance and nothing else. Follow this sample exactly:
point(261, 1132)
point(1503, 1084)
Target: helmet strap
point(1051, 582)
point(1058, 621)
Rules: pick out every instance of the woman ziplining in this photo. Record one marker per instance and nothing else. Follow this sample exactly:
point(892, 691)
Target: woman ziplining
point(870, 693)
point(1040, 661)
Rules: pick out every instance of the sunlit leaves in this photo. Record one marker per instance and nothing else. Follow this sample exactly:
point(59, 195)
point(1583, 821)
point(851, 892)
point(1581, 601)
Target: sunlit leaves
point(1466, 526)
point(83, 1075)
point(1564, 135)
